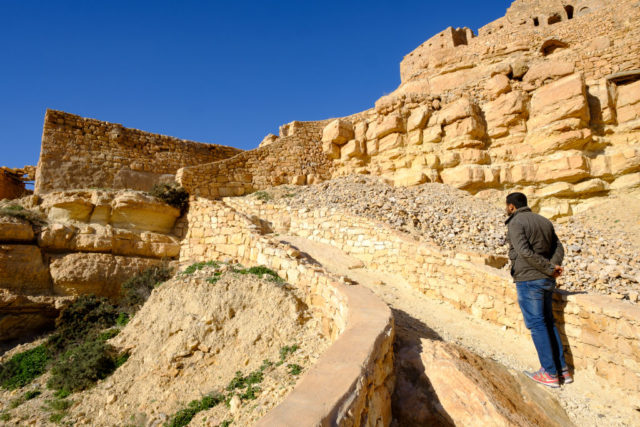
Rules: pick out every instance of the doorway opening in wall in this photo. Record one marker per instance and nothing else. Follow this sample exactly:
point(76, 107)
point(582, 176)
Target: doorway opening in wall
point(554, 19)
point(536, 22)
point(569, 10)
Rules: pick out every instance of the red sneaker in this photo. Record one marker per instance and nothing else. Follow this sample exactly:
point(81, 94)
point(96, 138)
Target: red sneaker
point(567, 378)
point(543, 377)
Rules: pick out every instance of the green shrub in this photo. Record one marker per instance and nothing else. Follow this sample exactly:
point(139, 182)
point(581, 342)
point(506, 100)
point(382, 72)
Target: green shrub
point(172, 194)
point(137, 289)
point(82, 366)
point(199, 266)
point(262, 195)
point(123, 319)
point(285, 352)
point(260, 271)
point(22, 368)
point(17, 211)
point(62, 393)
point(5, 416)
point(25, 396)
point(84, 317)
point(226, 423)
point(184, 416)
point(294, 369)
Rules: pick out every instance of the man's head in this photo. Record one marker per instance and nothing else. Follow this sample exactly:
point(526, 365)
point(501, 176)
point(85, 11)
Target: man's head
point(515, 201)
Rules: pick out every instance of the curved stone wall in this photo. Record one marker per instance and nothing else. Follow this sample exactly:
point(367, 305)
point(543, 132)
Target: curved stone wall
point(353, 381)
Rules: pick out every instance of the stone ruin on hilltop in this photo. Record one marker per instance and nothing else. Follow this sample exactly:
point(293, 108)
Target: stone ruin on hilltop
point(545, 99)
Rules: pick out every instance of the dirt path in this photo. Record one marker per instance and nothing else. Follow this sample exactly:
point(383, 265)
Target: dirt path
point(588, 401)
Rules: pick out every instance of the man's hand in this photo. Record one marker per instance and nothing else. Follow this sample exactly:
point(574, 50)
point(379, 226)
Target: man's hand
point(557, 271)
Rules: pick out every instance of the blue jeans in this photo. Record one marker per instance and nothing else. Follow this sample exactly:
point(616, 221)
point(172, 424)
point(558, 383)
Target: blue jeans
point(534, 298)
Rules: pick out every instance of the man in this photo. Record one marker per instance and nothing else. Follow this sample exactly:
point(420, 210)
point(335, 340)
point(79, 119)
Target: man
point(536, 256)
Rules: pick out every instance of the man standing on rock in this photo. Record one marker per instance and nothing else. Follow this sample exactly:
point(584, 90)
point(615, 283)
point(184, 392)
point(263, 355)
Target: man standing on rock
point(536, 256)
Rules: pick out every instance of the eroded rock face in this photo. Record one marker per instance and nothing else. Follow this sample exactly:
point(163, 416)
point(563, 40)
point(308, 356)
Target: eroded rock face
point(124, 209)
point(15, 230)
point(94, 273)
point(22, 269)
point(440, 383)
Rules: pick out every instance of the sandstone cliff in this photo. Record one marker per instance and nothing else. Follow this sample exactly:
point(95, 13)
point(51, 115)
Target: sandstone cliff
point(73, 243)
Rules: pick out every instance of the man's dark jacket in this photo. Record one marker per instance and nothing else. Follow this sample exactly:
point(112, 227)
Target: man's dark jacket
point(534, 247)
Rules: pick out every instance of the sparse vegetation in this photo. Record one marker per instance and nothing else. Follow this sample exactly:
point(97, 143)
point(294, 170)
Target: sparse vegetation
point(31, 394)
point(199, 266)
point(294, 369)
point(184, 416)
point(22, 368)
point(244, 386)
point(172, 194)
point(18, 211)
point(260, 271)
point(262, 195)
point(5, 416)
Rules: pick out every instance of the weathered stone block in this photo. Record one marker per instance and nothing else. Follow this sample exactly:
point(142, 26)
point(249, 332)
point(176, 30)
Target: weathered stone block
point(338, 132)
point(389, 125)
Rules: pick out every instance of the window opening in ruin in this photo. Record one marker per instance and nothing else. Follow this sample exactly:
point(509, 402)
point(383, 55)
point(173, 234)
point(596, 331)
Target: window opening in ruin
point(554, 19)
point(569, 10)
point(536, 22)
point(550, 46)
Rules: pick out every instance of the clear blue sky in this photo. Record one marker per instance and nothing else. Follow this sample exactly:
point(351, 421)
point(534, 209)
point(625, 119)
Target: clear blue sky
point(225, 72)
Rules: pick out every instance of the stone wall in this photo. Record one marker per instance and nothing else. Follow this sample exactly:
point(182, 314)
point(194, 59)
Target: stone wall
point(82, 153)
point(295, 158)
point(600, 333)
point(11, 187)
point(352, 382)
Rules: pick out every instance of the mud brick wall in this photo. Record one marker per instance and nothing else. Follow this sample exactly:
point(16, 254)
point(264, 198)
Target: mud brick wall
point(600, 333)
point(294, 158)
point(80, 153)
point(353, 381)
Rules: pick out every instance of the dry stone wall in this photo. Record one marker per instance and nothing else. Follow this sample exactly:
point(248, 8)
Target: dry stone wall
point(353, 381)
point(81, 153)
point(11, 187)
point(600, 333)
point(294, 158)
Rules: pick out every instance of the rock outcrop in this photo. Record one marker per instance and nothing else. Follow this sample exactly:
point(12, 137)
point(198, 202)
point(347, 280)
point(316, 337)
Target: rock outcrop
point(84, 242)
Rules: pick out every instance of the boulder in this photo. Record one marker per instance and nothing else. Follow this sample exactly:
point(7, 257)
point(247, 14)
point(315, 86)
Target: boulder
point(418, 118)
point(469, 177)
point(548, 70)
point(631, 180)
point(93, 273)
point(141, 212)
point(15, 230)
point(68, 205)
point(439, 383)
point(389, 142)
point(352, 149)
point(390, 124)
point(22, 269)
point(601, 106)
point(338, 132)
point(560, 100)
point(497, 85)
point(331, 150)
point(628, 105)
point(457, 110)
point(507, 111)
point(432, 134)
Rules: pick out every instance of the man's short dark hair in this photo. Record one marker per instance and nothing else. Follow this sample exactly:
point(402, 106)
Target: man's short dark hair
point(518, 200)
